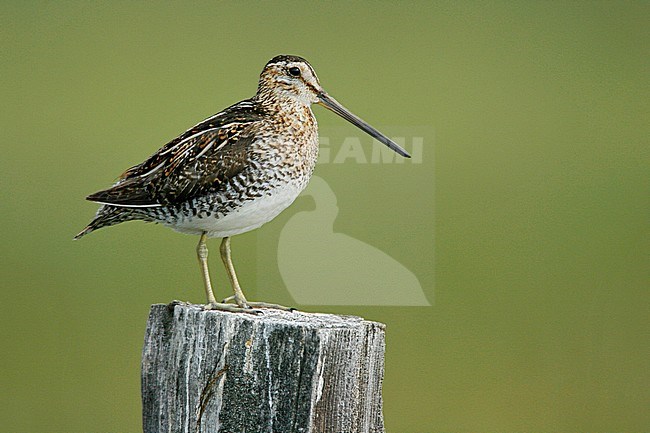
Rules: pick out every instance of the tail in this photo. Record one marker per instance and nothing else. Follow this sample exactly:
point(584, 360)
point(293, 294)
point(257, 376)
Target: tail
point(106, 216)
point(89, 228)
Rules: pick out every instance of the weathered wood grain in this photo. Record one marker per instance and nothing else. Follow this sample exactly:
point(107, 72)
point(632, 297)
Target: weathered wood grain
point(212, 371)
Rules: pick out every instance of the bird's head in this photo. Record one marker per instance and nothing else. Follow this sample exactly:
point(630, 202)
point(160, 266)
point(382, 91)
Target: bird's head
point(292, 79)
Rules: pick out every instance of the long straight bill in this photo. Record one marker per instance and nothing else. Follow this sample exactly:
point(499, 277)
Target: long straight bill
point(332, 104)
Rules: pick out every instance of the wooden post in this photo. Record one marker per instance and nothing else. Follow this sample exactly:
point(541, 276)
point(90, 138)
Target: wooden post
point(279, 372)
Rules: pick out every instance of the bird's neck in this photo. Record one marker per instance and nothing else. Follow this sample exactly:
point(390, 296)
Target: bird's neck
point(275, 100)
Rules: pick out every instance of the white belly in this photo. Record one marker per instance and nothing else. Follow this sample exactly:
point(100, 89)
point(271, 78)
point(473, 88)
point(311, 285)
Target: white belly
point(249, 216)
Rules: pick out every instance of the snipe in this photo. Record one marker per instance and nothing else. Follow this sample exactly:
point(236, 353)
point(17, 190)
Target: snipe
point(232, 172)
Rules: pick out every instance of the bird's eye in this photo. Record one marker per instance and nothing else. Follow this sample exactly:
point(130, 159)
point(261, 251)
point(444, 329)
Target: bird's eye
point(294, 72)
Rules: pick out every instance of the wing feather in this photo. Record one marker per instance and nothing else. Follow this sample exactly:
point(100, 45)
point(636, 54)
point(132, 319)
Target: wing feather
point(196, 163)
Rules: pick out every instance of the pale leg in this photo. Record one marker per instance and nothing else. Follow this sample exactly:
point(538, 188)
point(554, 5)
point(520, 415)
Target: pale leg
point(202, 253)
point(239, 297)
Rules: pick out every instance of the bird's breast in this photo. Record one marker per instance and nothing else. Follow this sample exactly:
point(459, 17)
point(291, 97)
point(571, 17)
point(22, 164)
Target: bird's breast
point(290, 144)
point(241, 218)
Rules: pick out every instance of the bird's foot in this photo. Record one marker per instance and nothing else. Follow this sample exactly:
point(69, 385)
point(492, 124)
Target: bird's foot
point(259, 304)
point(233, 308)
point(271, 306)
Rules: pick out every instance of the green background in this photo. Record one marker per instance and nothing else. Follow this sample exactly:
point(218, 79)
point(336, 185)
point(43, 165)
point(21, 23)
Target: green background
point(532, 244)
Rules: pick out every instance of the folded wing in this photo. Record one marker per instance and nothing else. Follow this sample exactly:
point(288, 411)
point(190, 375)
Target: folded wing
point(196, 163)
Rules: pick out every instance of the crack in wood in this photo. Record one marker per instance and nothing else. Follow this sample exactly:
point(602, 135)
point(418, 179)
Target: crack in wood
point(207, 393)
